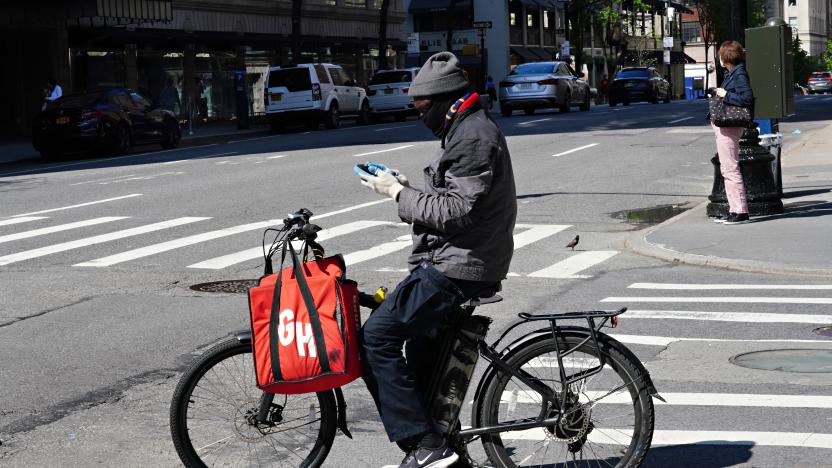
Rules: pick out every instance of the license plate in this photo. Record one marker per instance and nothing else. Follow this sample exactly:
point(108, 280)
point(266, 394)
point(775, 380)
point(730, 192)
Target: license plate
point(525, 85)
point(276, 97)
point(389, 91)
point(62, 120)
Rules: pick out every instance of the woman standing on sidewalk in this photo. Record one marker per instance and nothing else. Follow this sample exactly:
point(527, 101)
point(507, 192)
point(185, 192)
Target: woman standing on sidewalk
point(735, 91)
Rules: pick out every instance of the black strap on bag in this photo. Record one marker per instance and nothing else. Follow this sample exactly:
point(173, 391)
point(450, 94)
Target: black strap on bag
point(309, 302)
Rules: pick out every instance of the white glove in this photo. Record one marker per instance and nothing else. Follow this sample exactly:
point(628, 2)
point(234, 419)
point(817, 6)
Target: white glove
point(721, 92)
point(399, 176)
point(384, 183)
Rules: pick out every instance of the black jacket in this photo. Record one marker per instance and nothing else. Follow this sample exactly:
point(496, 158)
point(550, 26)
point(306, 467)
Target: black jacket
point(738, 87)
point(463, 220)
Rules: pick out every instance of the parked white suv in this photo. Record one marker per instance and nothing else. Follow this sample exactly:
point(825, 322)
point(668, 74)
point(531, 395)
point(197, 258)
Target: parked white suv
point(388, 93)
point(311, 94)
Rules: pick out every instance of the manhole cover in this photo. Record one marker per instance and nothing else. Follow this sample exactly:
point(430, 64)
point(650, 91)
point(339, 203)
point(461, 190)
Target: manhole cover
point(787, 360)
point(230, 286)
point(825, 331)
point(654, 215)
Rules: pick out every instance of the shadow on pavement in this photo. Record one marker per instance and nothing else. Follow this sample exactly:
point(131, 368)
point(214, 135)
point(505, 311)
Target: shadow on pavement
point(708, 454)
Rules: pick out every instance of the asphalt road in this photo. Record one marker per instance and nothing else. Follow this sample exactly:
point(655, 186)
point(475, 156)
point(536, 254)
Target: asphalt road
point(97, 257)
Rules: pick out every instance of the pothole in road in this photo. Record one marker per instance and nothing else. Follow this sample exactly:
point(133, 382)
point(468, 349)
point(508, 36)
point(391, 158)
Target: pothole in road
point(240, 286)
point(825, 331)
point(806, 361)
point(654, 215)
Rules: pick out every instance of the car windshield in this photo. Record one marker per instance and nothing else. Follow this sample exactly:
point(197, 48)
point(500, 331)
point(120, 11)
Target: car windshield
point(635, 73)
point(79, 100)
point(533, 69)
point(391, 77)
point(821, 75)
point(293, 79)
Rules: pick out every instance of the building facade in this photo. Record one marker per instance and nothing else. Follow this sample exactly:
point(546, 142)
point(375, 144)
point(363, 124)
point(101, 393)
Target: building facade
point(198, 43)
point(810, 22)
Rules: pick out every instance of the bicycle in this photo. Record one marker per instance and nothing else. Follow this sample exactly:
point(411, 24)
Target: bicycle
point(544, 394)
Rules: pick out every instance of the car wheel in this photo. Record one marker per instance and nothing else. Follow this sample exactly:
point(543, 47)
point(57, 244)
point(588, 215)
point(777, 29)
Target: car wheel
point(505, 110)
point(50, 154)
point(586, 103)
point(528, 111)
point(613, 103)
point(565, 106)
point(275, 125)
point(172, 135)
point(364, 114)
point(332, 119)
point(312, 124)
point(121, 143)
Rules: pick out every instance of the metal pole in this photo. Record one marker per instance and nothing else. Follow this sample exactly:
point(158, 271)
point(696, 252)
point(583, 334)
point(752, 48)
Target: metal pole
point(484, 71)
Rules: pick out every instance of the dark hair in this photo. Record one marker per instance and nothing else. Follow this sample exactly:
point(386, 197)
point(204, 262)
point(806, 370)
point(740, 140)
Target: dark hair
point(731, 52)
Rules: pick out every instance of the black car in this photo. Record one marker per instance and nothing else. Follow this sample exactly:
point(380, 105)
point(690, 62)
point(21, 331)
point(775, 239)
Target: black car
point(104, 120)
point(639, 84)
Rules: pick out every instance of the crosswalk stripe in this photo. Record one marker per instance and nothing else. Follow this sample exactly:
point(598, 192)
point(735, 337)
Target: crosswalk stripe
point(225, 261)
point(175, 244)
point(749, 317)
point(666, 340)
point(9, 222)
point(702, 287)
point(400, 243)
point(106, 200)
point(602, 436)
point(59, 228)
point(732, 300)
point(568, 268)
point(690, 399)
point(62, 247)
point(536, 232)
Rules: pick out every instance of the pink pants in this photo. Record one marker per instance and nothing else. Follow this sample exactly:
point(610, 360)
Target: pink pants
point(728, 148)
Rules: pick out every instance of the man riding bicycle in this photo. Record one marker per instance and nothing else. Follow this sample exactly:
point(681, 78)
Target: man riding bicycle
point(463, 222)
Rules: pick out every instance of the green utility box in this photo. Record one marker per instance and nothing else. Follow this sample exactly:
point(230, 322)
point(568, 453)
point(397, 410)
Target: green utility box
point(770, 64)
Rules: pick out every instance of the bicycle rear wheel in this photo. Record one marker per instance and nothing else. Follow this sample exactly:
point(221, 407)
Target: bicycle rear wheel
point(213, 416)
point(607, 422)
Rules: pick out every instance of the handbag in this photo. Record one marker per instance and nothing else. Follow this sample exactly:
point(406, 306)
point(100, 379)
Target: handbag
point(304, 326)
point(726, 115)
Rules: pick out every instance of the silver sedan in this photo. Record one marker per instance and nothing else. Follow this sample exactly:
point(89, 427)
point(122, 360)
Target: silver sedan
point(541, 85)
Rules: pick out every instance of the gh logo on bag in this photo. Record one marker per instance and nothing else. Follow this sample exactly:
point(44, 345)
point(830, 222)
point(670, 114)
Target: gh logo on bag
point(288, 331)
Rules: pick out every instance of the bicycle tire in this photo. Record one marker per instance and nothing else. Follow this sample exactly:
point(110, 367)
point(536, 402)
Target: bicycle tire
point(493, 397)
point(184, 398)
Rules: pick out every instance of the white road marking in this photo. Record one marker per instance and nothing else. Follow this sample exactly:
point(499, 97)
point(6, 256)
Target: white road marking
point(175, 244)
point(106, 200)
point(680, 120)
point(400, 243)
point(666, 340)
point(118, 180)
point(691, 130)
point(59, 228)
point(253, 139)
point(574, 150)
point(689, 399)
point(8, 222)
point(393, 128)
point(568, 268)
point(699, 287)
point(62, 247)
point(747, 317)
point(536, 232)
point(603, 436)
point(731, 300)
point(383, 151)
point(279, 156)
point(350, 208)
point(100, 180)
point(534, 121)
point(225, 261)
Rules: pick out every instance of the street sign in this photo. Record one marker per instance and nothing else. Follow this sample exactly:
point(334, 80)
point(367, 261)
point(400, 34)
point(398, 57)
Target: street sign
point(482, 24)
point(666, 57)
point(413, 43)
point(564, 50)
point(667, 42)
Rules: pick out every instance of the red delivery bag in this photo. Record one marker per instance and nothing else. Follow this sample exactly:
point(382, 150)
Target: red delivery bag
point(304, 326)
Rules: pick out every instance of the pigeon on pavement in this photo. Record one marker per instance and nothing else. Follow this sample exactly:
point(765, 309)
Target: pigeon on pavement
point(573, 242)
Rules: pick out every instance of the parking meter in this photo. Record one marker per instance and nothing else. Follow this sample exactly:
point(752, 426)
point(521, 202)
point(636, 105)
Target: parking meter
point(241, 94)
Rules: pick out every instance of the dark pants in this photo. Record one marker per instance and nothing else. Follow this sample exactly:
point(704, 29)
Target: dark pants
point(408, 315)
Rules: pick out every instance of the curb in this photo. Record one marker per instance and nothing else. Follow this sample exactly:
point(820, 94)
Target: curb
point(638, 243)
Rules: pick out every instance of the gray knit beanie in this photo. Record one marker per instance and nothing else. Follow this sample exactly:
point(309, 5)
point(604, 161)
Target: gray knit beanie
point(441, 74)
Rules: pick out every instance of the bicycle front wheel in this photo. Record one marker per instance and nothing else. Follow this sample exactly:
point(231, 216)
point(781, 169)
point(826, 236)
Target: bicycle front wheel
point(213, 416)
point(607, 420)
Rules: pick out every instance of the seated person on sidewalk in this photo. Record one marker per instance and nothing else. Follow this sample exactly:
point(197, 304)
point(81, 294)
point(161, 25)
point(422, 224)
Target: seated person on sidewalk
point(463, 221)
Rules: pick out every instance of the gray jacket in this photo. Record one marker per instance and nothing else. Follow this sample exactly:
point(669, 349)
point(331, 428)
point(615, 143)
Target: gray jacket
point(463, 221)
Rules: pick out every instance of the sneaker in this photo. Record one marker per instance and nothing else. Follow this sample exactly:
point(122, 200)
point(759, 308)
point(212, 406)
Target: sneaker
point(719, 218)
point(736, 218)
point(441, 457)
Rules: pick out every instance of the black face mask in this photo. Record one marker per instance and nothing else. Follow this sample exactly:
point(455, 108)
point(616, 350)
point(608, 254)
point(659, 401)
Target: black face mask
point(434, 118)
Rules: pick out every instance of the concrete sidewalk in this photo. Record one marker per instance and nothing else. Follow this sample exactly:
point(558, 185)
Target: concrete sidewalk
point(795, 242)
point(22, 150)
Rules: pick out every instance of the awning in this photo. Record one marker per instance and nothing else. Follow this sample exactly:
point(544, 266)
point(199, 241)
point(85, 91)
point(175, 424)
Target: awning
point(525, 54)
point(542, 53)
point(546, 4)
point(124, 10)
point(438, 5)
